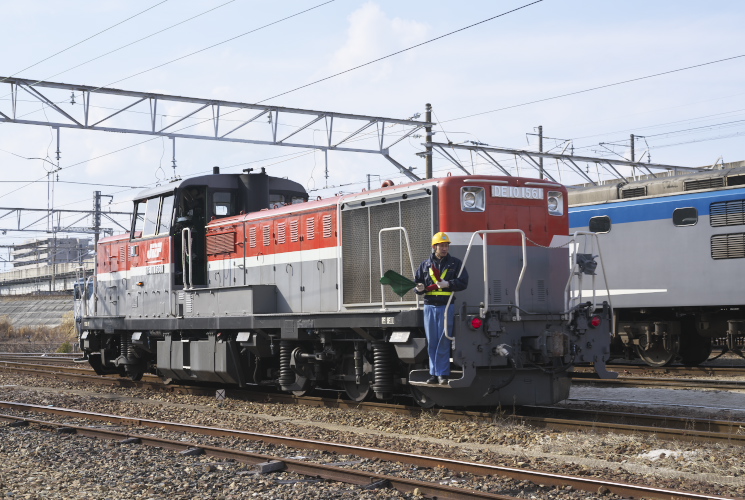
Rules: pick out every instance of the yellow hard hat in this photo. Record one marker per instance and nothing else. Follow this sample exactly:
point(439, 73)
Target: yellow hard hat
point(440, 238)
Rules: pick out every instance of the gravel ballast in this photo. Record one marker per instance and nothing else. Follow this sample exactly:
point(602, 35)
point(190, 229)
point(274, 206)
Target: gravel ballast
point(35, 464)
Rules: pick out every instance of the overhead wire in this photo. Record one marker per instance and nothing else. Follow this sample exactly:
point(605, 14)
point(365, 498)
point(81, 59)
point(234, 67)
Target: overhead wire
point(401, 51)
point(597, 88)
point(287, 92)
point(132, 43)
point(86, 39)
point(216, 44)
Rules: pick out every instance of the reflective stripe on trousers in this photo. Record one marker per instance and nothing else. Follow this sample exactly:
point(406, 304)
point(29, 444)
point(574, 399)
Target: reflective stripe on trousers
point(438, 346)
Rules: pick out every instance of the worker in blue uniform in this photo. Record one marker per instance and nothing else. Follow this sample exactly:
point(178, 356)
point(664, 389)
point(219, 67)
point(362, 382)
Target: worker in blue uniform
point(437, 279)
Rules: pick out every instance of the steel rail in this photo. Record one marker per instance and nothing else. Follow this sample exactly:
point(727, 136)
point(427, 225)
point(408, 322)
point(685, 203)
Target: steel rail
point(662, 426)
point(662, 382)
point(701, 370)
point(327, 472)
point(479, 469)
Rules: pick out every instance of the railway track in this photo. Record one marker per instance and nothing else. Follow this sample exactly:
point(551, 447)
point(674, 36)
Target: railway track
point(553, 417)
point(329, 472)
point(681, 383)
point(687, 371)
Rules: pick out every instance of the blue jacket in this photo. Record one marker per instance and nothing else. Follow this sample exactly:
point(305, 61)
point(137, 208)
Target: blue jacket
point(449, 266)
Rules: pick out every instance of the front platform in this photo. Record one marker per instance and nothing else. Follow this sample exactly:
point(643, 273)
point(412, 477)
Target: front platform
point(493, 387)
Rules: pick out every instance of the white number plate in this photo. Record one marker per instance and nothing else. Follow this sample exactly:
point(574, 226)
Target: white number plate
point(517, 192)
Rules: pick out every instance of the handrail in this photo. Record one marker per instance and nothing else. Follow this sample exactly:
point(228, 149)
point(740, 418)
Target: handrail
point(485, 308)
point(380, 249)
point(573, 262)
point(186, 239)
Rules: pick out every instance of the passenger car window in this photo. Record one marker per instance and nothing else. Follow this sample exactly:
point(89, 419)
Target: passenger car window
point(685, 216)
point(600, 224)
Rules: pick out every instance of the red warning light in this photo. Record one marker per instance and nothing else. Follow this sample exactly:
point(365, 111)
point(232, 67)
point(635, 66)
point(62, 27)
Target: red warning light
point(476, 323)
point(595, 321)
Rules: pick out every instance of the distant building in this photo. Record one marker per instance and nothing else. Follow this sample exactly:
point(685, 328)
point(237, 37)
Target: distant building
point(50, 251)
point(47, 265)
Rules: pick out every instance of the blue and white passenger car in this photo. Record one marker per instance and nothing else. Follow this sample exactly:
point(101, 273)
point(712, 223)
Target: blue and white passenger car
point(677, 248)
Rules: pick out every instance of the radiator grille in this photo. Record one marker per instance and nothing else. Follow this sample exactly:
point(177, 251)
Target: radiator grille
point(310, 228)
point(727, 213)
point(728, 246)
point(252, 237)
point(361, 257)
point(294, 231)
point(634, 192)
point(220, 243)
point(123, 254)
point(382, 216)
point(713, 182)
point(267, 235)
point(356, 255)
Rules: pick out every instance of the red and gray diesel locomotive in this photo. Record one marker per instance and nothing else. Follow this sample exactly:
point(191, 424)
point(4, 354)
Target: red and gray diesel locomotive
point(239, 279)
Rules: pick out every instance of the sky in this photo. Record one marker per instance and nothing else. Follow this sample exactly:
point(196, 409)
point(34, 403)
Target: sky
point(481, 81)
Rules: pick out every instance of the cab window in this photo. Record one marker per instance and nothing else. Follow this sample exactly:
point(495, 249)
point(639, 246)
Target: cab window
point(139, 219)
point(166, 214)
point(151, 217)
point(222, 204)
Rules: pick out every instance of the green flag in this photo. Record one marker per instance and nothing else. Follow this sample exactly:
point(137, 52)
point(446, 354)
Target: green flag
point(400, 284)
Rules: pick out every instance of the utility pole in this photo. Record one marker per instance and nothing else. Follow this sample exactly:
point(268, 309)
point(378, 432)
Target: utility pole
point(428, 146)
point(540, 149)
point(633, 159)
point(97, 229)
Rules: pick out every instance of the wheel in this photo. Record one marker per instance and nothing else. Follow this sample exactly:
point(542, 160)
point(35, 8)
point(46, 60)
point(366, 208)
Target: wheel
point(357, 392)
point(420, 398)
point(656, 354)
point(135, 374)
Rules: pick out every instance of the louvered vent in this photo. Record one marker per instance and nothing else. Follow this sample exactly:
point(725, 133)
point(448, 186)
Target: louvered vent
point(727, 213)
point(252, 237)
point(267, 235)
point(541, 291)
point(634, 192)
point(496, 292)
point(220, 243)
point(728, 246)
point(281, 233)
point(294, 232)
point(694, 185)
point(310, 228)
point(123, 254)
point(328, 231)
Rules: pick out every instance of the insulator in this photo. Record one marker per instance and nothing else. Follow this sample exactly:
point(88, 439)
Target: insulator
point(383, 370)
point(286, 375)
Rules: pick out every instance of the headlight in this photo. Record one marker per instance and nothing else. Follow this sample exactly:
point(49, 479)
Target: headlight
point(555, 203)
point(469, 200)
point(472, 199)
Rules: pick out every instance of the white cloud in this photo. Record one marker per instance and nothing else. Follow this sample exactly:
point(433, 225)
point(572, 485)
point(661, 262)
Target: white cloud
point(372, 34)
